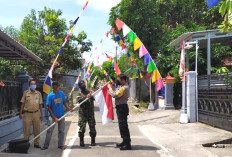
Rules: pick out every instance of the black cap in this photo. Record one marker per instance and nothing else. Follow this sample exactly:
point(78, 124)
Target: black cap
point(55, 83)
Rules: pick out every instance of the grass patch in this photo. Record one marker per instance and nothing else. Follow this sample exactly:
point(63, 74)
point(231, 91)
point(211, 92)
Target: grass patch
point(143, 104)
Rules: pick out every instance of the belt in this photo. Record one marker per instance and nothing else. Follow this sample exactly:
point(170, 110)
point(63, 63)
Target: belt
point(30, 112)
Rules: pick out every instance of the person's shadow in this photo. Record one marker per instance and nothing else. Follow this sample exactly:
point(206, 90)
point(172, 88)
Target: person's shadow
point(113, 145)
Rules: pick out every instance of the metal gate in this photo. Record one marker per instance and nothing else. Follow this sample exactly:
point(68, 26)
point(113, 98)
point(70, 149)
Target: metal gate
point(215, 100)
point(177, 95)
point(10, 96)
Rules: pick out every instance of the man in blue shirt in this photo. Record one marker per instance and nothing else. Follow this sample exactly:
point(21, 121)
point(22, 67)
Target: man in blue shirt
point(55, 104)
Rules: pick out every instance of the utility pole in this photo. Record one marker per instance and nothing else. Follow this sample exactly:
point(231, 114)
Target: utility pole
point(116, 61)
point(117, 54)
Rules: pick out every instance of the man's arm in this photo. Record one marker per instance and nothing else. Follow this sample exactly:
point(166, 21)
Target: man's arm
point(67, 106)
point(41, 107)
point(41, 111)
point(21, 111)
point(118, 93)
point(53, 116)
point(22, 105)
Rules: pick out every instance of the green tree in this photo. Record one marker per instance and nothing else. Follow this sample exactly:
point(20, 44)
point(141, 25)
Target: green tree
point(7, 70)
point(158, 22)
point(44, 32)
point(226, 12)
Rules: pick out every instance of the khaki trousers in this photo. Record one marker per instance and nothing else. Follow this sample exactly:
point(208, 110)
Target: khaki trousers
point(34, 119)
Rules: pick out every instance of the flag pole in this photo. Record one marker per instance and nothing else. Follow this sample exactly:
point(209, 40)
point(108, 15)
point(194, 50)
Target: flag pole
point(151, 105)
point(196, 79)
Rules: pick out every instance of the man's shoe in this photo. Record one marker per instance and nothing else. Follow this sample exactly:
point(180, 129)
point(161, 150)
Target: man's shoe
point(82, 143)
point(37, 146)
point(126, 147)
point(120, 144)
point(93, 142)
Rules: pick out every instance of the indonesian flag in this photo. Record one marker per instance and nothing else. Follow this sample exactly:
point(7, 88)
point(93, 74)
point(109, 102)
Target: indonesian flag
point(104, 101)
point(182, 60)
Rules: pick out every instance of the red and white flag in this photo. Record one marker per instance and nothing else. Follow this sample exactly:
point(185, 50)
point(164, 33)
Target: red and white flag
point(182, 60)
point(104, 101)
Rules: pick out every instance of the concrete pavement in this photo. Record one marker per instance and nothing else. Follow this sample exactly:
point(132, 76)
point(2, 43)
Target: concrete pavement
point(182, 140)
point(107, 137)
point(153, 133)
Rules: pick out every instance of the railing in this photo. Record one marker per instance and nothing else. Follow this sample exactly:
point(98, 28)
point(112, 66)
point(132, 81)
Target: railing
point(215, 100)
point(10, 96)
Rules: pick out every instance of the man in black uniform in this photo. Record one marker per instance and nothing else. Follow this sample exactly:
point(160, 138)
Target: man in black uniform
point(121, 95)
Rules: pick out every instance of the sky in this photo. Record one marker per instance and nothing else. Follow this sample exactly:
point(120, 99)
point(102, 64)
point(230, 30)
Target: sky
point(93, 20)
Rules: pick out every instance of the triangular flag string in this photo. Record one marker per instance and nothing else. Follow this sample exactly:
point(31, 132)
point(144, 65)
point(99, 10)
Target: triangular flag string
point(114, 64)
point(133, 38)
point(101, 42)
point(134, 64)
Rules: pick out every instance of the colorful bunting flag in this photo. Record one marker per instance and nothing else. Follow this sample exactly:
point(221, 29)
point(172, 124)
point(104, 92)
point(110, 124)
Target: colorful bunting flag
point(47, 85)
point(112, 30)
point(119, 24)
point(151, 67)
point(159, 84)
point(120, 42)
point(137, 44)
point(142, 51)
point(118, 38)
point(2, 84)
point(128, 54)
point(123, 46)
point(182, 60)
point(107, 55)
point(147, 59)
point(116, 68)
point(85, 5)
point(155, 76)
point(132, 36)
point(212, 3)
point(125, 30)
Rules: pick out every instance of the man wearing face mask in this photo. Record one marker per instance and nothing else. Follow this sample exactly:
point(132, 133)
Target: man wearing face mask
point(86, 114)
point(121, 95)
point(31, 103)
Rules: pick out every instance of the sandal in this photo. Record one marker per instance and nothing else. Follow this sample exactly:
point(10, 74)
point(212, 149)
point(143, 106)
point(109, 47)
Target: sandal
point(43, 148)
point(62, 147)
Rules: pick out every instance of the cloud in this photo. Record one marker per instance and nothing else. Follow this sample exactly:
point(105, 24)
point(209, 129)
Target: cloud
point(102, 5)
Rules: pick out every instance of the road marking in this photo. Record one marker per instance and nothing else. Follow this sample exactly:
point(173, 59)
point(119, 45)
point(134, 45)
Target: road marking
point(160, 145)
point(67, 151)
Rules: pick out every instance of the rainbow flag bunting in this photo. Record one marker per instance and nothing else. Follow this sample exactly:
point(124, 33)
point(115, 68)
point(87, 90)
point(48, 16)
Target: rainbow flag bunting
point(134, 63)
point(151, 66)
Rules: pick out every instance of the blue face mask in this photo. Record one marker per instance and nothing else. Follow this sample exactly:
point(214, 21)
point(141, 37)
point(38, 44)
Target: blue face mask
point(32, 87)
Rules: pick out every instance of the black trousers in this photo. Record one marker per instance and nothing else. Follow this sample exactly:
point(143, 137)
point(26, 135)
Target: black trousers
point(122, 113)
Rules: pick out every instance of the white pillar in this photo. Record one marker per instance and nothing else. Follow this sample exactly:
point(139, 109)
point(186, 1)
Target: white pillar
point(191, 96)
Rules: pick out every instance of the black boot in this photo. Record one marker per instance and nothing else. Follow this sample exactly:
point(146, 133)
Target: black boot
point(93, 141)
point(126, 147)
point(82, 144)
point(120, 144)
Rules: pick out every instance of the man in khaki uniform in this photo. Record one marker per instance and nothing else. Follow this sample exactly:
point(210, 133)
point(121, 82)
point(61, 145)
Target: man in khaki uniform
point(31, 104)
